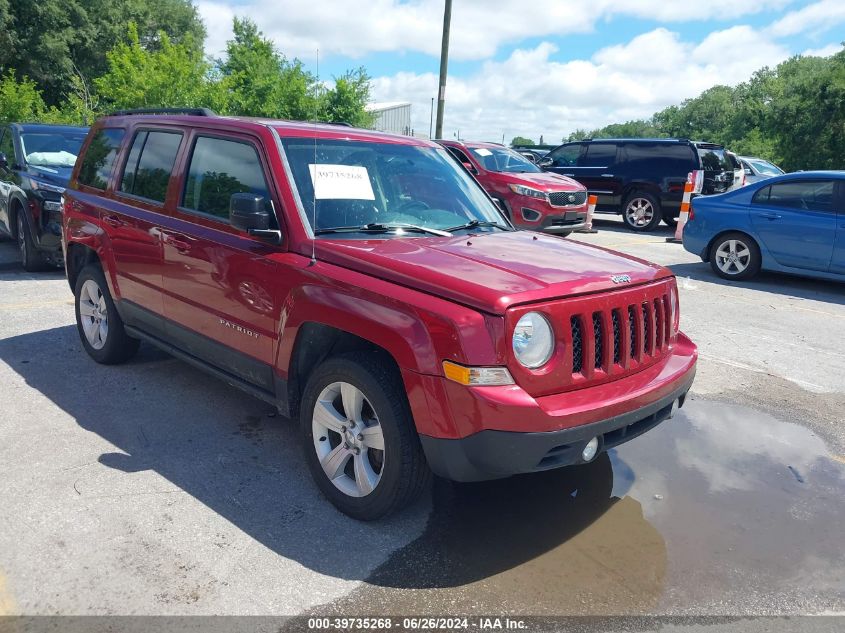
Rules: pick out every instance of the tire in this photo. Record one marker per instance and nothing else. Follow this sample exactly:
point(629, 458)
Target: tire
point(31, 259)
point(109, 345)
point(746, 261)
point(392, 476)
point(670, 221)
point(641, 212)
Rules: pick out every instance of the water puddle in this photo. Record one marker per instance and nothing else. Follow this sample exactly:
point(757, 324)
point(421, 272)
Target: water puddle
point(722, 510)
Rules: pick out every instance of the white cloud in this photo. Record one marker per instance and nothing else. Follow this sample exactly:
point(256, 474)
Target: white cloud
point(814, 18)
point(530, 93)
point(824, 51)
point(479, 27)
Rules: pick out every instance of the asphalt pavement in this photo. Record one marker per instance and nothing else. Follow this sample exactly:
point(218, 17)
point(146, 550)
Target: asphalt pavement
point(151, 488)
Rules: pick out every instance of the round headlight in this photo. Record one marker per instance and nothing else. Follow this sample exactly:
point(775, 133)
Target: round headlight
point(533, 341)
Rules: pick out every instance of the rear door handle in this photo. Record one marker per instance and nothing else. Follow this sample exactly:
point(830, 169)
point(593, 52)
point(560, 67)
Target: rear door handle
point(770, 216)
point(570, 175)
point(607, 175)
point(113, 220)
point(180, 245)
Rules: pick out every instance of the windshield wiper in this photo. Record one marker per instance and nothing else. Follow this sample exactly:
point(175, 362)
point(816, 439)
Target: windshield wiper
point(476, 223)
point(376, 227)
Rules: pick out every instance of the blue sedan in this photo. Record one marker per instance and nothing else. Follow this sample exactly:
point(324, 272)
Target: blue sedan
point(793, 223)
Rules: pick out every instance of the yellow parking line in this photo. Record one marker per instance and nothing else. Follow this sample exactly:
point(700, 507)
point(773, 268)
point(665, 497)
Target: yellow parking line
point(838, 458)
point(34, 304)
point(7, 604)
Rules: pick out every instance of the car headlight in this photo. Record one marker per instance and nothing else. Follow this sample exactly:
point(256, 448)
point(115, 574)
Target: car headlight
point(38, 185)
point(533, 340)
point(520, 190)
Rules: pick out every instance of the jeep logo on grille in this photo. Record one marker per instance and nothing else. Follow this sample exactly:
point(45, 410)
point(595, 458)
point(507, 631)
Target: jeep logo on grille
point(621, 279)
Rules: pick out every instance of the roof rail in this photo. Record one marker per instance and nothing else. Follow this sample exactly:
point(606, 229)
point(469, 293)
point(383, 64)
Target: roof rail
point(188, 111)
point(343, 123)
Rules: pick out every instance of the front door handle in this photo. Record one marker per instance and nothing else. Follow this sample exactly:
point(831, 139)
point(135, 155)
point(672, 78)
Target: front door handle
point(570, 175)
point(182, 246)
point(771, 216)
point(607, 175)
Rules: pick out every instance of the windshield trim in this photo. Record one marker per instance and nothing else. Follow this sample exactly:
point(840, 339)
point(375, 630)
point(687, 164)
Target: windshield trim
point(297, 199)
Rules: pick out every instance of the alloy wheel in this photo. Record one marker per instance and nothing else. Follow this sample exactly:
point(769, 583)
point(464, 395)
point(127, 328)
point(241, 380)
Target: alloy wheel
point(93, 313)
point(348, 439)
point(639, 212)
point(733, 257)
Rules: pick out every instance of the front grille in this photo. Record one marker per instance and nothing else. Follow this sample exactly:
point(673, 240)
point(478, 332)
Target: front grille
point(577, 345)
point(598, 338)
point(567, 198)
point(631, 334)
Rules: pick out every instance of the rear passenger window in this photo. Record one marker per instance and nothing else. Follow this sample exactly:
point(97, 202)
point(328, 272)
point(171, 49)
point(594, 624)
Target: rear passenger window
point(660, 158)
point(150, 162)
point(220, 168)
point(98, 162)
point(599, 155)
point(807, 195)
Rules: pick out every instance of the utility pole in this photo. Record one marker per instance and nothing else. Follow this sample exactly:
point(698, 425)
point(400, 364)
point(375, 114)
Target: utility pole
point(444, 64)
point(431, 120)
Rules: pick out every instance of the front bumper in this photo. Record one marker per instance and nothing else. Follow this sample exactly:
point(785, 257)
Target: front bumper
point(502, 431)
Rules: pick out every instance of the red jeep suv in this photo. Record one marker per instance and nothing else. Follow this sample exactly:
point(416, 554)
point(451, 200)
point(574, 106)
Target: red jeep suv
point(366, 286)
point(531, 198)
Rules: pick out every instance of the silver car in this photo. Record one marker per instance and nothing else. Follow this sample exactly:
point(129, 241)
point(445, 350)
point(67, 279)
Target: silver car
point(758, 169)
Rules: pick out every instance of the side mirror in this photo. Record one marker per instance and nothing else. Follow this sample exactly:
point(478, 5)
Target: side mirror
point(748, 172)
point(545, 162)
point(470, 168)
point(248, 212)
point(4, 161)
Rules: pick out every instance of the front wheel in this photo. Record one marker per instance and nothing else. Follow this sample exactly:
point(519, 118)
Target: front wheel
point(31, 259)
point(735, 256)
point(641, 212)
point(359, 438)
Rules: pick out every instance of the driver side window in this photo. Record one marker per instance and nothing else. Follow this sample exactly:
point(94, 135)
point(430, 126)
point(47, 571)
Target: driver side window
point(566, 156)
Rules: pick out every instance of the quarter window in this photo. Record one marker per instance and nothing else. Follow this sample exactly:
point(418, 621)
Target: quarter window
point(149, 165)
point(807, 195)
point(599, 155)
point(98, 162)
point(220, 168)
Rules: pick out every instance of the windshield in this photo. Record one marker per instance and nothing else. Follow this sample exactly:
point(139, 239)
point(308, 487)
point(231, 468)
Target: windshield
point(385, 184)
point(52, 149)
point(504, 160)
point(765, 167)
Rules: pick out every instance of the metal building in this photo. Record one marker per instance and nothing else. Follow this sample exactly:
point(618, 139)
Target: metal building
point(392, 117)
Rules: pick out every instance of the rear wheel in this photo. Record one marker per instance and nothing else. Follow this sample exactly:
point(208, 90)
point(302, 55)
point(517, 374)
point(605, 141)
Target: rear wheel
point(735, 256)
point(359, 438)
point(641, 211)
point(100, 326)
point(31, 259)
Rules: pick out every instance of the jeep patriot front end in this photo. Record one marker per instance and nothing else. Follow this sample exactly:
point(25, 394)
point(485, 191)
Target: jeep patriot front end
point(366, 286)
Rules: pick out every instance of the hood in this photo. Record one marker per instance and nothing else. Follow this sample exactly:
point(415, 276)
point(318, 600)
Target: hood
point(59, 176)
point(544, 181)
point(491, 271)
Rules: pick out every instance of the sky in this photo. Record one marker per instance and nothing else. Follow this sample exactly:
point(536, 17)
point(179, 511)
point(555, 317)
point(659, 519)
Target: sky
point(538, 67)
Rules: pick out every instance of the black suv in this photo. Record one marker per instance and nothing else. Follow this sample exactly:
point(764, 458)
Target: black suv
point(35, 166)
point(643, 179)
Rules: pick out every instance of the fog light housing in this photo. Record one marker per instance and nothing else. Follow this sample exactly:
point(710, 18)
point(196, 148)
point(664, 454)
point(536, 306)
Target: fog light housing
point(590, 450)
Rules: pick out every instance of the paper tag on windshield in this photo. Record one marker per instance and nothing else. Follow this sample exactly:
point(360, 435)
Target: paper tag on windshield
point(483, 151)
point(341, 182)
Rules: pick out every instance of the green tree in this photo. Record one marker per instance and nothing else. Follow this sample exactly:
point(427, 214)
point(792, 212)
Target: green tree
point(259, 81)
point(347, 100)
point(175, 75)
point(20, 100)
point(52, 41)
point(521, 140)
point(577, 135)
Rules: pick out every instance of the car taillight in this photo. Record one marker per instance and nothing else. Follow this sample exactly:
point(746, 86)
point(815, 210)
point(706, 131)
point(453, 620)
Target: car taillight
point(696, 177)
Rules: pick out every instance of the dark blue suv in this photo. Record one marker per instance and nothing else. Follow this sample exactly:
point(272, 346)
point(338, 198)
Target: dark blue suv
point(35, 166)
